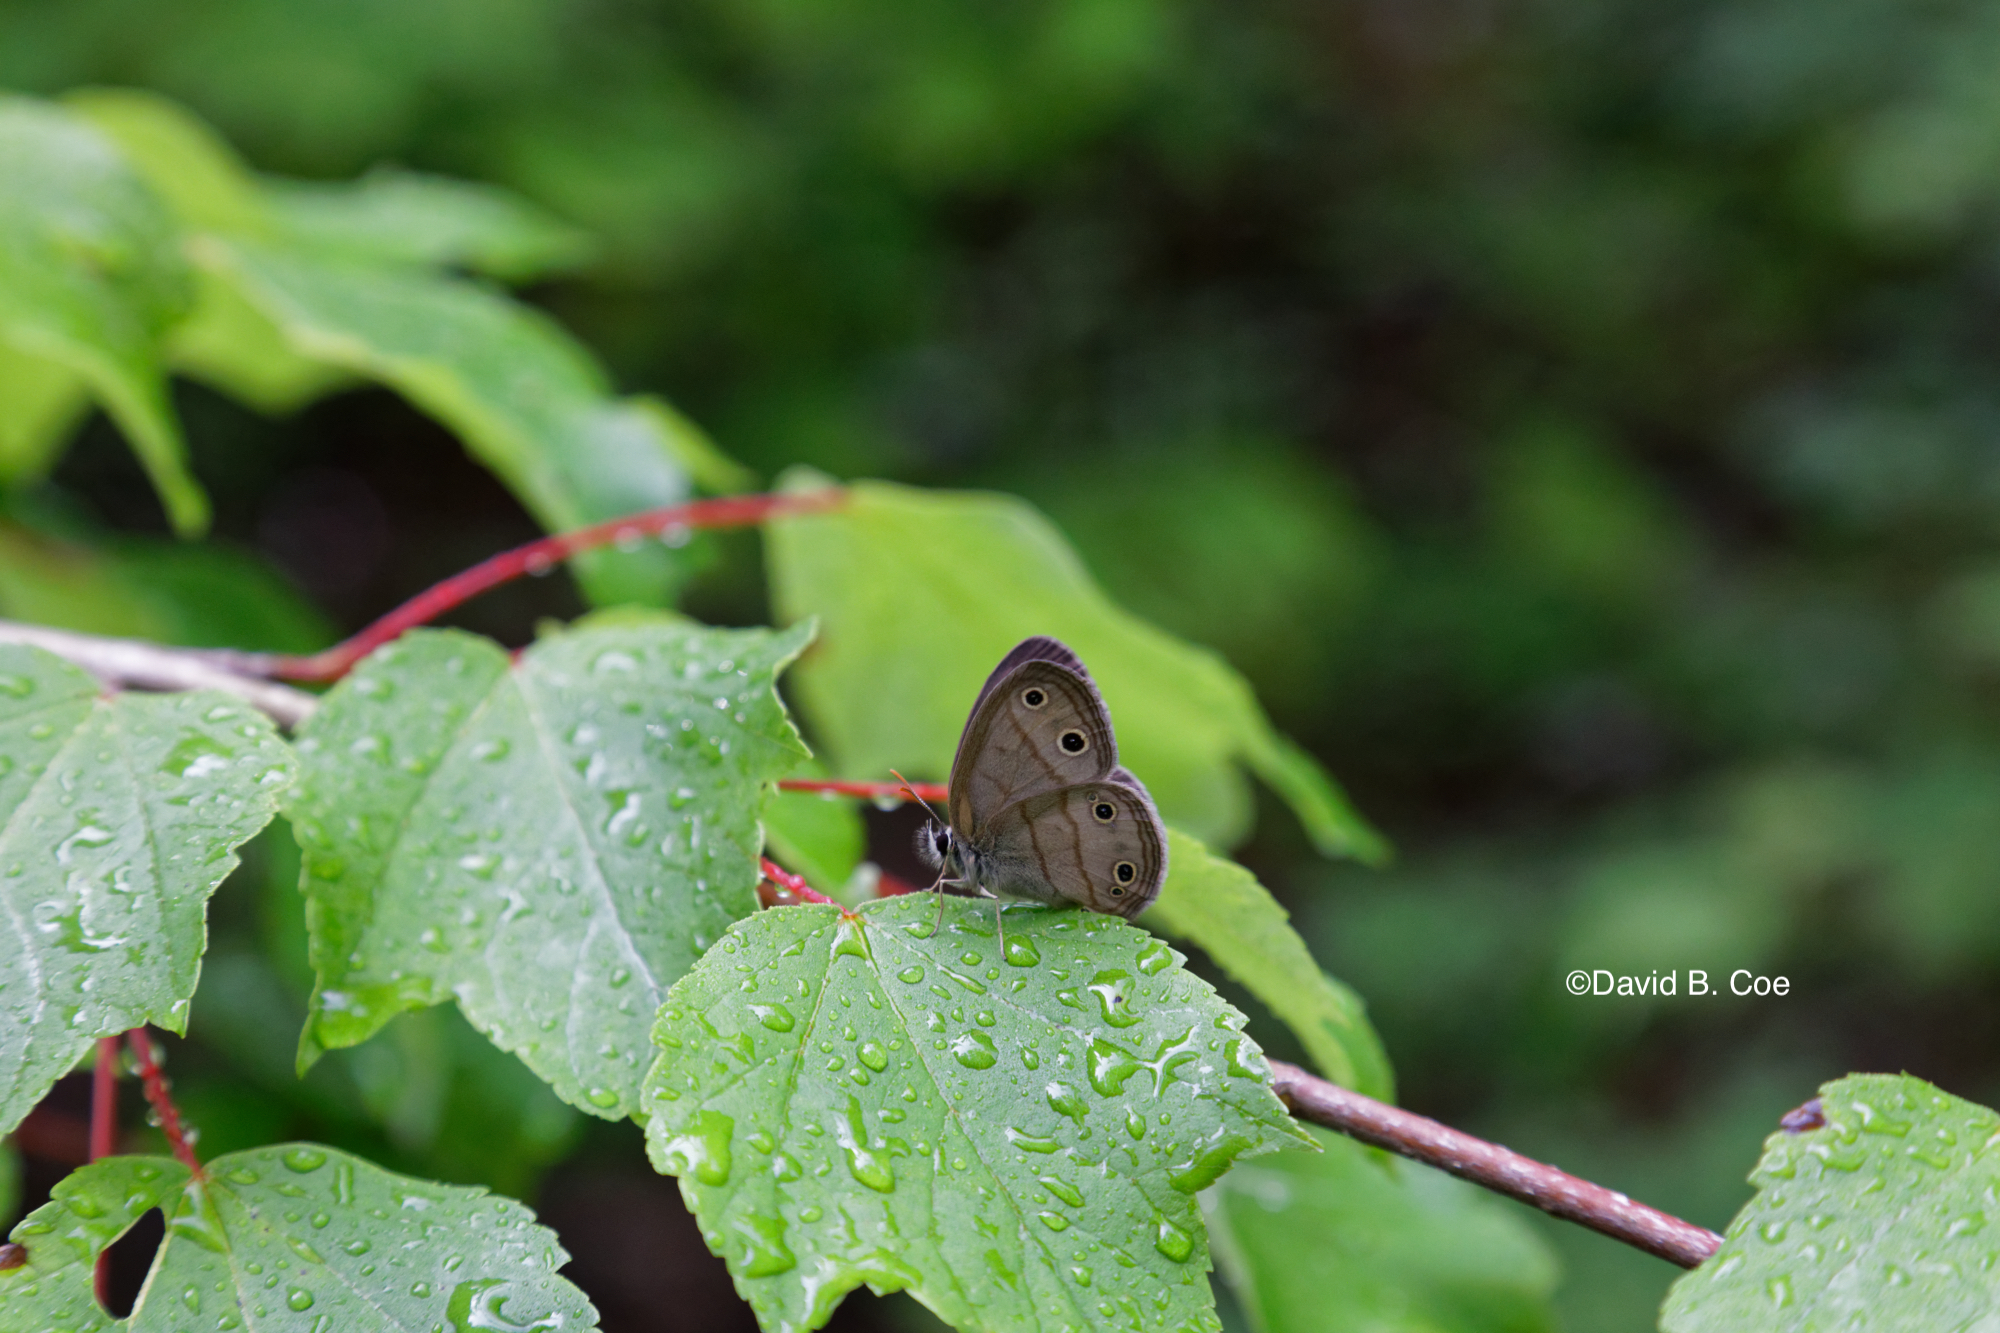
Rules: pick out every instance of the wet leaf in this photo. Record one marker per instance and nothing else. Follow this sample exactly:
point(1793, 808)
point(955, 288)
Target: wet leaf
point(91, 279)
point(1220, 906)
point(551, 842)
point(293, 1238)
point(1882, 1219)
point(1014, 1137)
point(1344, 1242)
point(920, 593)
point(122, 815)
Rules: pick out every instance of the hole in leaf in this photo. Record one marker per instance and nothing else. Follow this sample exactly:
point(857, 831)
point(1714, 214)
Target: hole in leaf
point(131, 1258)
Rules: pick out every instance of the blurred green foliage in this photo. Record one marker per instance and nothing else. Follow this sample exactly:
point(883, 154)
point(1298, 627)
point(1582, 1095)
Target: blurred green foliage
point(1579, 422)
point(1338, 1242)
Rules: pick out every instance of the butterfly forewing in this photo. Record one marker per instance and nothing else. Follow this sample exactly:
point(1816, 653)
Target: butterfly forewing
point(1041, 648)
point(1039, 728)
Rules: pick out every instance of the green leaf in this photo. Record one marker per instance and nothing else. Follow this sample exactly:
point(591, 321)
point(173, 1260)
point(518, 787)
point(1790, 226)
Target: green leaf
point(47, 581)
point(451, 1105)
point(224, 341)
point(41, 403)
point(1220, 906)
point(184, 593)
point(1342, 1242)
point(392, 216)
point(1313, 795)
point(183, 161)
point(208, 595)
point(1877, 1220)
point(122, 817)
point(851, 1098)
point(293, 1238)
point(91, 279)
point(468, 1111)
point(527, 401)
point(712, 470)
point(920, 593)
point(551, 841)
point(231, 345)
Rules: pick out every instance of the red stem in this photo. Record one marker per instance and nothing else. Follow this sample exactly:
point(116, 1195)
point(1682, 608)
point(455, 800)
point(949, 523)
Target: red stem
point(733, 511)
point(162, 1101)
point(104, 1100)
point(793, 884)
point(929, 791)
point(104, 1138)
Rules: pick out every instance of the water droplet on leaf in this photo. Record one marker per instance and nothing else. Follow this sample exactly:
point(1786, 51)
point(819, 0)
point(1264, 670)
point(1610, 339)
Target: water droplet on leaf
point(773, 1016)
point(974, 1050)
point(704, 1150)
point(1022, 953)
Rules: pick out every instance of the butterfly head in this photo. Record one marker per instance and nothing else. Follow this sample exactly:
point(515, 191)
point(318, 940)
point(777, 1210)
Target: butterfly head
point(934, 844)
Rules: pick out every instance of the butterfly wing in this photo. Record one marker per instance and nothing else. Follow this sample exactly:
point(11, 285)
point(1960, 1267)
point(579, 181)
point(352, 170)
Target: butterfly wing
point(1039, 725)
point(1040, 648)
point(1100, 844)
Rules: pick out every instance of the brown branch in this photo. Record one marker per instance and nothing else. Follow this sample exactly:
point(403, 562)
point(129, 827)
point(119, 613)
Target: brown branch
point(1497, 1168)
point(150, 666)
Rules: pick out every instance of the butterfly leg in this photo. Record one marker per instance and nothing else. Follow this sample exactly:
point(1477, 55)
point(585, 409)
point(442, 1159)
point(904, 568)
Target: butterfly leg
point(937, 888)
point(999, 929)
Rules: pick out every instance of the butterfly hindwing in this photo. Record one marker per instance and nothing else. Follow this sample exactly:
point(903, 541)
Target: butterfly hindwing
point(1099, 844)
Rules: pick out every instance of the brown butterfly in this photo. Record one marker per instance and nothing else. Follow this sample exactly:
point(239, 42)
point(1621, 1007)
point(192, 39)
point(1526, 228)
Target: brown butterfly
point(1039, 808)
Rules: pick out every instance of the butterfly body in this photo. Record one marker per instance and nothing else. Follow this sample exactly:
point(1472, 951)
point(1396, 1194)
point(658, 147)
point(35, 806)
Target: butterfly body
point(1039, 807)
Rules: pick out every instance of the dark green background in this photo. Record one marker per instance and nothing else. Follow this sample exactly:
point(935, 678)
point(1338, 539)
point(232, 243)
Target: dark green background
point(1581, 421)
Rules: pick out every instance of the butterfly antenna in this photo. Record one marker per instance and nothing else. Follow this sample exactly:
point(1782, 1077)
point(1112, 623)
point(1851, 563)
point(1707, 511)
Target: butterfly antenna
point(937, 885)
point(911, 792)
